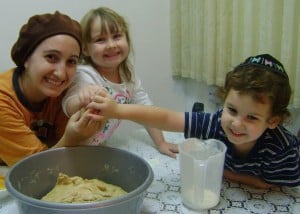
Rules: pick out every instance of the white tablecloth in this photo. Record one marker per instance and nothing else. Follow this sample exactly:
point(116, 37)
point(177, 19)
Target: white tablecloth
point(163, 195)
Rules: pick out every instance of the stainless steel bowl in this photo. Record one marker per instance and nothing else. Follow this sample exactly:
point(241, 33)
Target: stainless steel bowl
point(33, 177)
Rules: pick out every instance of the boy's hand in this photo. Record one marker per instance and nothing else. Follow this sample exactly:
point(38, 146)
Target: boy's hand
point(104, 105)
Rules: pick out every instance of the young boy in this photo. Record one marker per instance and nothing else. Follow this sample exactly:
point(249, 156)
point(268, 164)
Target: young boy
point(260, 151)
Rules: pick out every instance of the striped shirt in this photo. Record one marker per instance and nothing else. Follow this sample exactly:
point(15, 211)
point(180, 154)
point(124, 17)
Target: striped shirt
point(275, 156)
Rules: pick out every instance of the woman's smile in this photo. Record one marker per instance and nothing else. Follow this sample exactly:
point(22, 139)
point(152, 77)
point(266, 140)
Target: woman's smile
point(53, 82)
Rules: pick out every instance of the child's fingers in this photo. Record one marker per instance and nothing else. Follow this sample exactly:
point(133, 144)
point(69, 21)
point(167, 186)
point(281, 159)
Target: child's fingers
point(96, 105)
point(94, 114)
point(98, 99)
point(102, 92)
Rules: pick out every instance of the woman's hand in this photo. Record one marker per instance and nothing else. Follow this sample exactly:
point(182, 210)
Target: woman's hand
point(80, 127)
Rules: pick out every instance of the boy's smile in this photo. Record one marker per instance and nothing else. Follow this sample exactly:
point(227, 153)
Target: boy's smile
point(244, 119)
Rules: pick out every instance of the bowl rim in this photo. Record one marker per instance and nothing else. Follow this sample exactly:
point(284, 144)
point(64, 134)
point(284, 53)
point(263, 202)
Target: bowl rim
point(69, 206)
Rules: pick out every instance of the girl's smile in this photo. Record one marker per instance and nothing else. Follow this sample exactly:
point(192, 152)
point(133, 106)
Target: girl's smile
point(112, 55)
point(107, 49)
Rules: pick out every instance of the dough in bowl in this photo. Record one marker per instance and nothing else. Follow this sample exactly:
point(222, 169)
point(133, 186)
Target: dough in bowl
point(79, 190)
point(2, 183)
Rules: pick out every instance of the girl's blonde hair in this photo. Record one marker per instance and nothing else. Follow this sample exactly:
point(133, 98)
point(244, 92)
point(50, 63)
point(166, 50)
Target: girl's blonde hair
point(115, 24)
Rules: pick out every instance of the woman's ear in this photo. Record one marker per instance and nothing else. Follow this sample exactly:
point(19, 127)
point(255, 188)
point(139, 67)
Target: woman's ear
point(85, 50)
point(274, 122)
point(26, 64)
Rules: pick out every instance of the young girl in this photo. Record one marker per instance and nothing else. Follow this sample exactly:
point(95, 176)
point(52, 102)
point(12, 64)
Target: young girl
point(46, 54)
point(260, 151)
point(106, 48)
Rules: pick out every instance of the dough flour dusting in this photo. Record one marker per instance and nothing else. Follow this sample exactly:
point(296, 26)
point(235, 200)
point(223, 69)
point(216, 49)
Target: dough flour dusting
point(79, 190)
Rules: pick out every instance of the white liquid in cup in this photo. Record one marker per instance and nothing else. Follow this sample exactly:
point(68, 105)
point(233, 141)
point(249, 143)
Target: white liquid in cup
point(210, 199)
point(201, 170)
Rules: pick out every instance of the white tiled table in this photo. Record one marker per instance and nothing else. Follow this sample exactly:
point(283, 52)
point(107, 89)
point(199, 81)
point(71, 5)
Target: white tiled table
point(163, 195)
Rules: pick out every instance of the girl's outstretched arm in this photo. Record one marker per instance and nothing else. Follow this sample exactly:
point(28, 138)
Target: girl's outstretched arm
point(151, 116)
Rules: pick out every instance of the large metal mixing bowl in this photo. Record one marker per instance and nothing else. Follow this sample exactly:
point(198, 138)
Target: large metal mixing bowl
point(33, 177)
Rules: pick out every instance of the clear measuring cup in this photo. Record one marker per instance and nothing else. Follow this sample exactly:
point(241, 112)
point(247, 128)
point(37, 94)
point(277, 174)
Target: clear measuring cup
point(201, 170)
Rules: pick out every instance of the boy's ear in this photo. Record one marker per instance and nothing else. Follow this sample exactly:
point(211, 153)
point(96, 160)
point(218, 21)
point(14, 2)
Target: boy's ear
point(274, 122)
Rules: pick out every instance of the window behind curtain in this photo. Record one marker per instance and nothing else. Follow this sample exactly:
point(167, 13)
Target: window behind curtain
point(210, 37)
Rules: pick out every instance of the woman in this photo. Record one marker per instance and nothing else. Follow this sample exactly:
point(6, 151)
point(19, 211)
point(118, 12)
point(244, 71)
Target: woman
point(46, 54)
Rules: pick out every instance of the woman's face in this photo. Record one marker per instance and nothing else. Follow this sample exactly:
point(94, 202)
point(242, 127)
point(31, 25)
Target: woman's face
point(50, 68)
point(244, 119)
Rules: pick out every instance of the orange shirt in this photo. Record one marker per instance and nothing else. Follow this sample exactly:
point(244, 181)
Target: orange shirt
point(20, 127)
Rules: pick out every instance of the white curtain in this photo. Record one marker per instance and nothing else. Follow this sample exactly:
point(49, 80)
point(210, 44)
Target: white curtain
point(210, 37)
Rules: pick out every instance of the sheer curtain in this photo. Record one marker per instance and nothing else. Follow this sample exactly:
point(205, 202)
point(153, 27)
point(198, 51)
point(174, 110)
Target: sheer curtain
point(210, 37)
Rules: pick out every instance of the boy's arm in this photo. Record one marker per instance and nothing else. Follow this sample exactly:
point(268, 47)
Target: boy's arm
point(249, 180)
point(151, 116)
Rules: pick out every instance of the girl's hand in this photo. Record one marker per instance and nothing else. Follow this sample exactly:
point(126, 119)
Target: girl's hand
point(169, 149)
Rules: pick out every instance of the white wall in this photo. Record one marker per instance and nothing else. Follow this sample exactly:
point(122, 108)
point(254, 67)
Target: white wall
point(149, 25)
point(150, 32)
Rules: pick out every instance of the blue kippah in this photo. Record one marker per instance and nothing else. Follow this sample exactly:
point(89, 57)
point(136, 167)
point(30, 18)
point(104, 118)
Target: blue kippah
point(267, 62)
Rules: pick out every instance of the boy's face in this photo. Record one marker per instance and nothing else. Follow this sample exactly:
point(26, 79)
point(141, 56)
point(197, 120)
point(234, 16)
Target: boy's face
point(244, 119)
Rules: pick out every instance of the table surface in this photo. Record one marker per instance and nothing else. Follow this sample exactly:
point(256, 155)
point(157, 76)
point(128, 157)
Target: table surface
point(163, 195)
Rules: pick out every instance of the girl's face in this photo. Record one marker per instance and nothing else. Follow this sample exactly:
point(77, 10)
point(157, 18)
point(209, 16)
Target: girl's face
point(107, 51)
point(50, 68)
point(244, 119)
